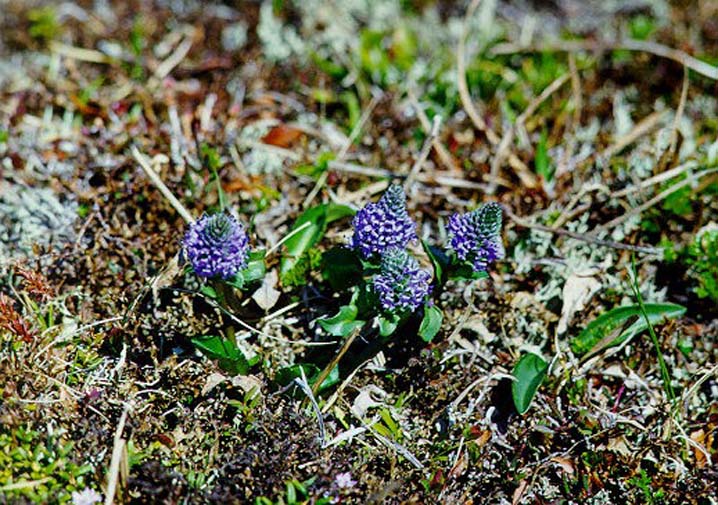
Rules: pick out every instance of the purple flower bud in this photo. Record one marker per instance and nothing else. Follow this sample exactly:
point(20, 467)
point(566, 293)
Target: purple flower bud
point(400, 284)
point(217, 246)
point(476, 236)
point(384, 224)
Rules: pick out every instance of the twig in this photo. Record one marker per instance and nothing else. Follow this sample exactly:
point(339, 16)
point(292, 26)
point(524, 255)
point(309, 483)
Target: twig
point(580, 236)
point(629, 45)
point(679, 111)
point(118, 450)
point(161, 186)
point(335, 360)
point(653, 201)
point(642, 128)
point(444, 155)
point(527, 178)
point(423, 154)
point(345, 149)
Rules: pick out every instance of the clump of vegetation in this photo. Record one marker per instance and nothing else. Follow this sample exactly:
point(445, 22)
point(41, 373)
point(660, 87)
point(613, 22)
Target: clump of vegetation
point(40, 466)
point(702, 258)
point(357, 252)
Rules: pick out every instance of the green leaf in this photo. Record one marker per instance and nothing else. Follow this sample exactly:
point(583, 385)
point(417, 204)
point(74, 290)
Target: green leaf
point(343, 323)
point(253, 272)
point(341, 268)
point(528, 373)
point(542, 161)
point(621, 323)
point(388, 324)
point(431, 323)
point(256, 269)
point(337, 211)
point(236, 281)
point(286, 375)
point(228, 356)
point(439, 260)
point(311, 225)
point(209, 292)
point(466, 272)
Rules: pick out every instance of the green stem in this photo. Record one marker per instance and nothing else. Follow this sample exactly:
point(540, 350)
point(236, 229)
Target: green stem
point(665, 375)
point(337, 357)
point(229, 302)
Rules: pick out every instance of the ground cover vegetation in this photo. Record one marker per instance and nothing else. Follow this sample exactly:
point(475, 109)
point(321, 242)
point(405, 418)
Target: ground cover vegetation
point(372, 251)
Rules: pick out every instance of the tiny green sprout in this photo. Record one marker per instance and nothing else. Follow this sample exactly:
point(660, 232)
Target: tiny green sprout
point(43, 23)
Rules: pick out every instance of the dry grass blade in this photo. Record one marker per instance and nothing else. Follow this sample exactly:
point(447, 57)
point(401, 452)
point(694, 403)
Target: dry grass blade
point(508, 138)
point(581, 236)
point(161, 186)
point(366, 114)
point(528, 179)
point(679, 111)
point(643, 127)
point(691, 179)
point(119, 453)
point(444, 155)
point(654, 48)
point(421, 159)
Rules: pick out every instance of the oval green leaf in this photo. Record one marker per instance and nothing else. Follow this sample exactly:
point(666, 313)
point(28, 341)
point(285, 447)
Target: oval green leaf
point(229, 357)
point(528, 375)
point(308, 229)
point(431, 323)
point(343, 322)
point(621, 323)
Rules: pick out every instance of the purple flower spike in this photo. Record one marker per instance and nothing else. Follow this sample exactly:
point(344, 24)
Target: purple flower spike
point(384, 224)
point(400, 284)
point(476, 236)
point(217, 246)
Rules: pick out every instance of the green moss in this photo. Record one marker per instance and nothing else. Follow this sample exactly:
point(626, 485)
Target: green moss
point(702, 258)
point(38, 467)
point(43, 23)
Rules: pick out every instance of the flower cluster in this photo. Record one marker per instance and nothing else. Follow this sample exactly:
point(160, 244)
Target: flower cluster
point(217, 246)
point(401, 284)
point(476, 236)
point(384, 224)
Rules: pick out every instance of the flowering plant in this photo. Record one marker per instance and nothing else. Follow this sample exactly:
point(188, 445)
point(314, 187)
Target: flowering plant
point(217, 249)
point(389, 285)
point(475, 243)
point(217, 246)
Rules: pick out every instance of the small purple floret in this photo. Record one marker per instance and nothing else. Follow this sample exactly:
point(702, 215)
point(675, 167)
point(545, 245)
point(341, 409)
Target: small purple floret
point(217, 246)
point(384, 224)
point(476, 236)
point(401, 284)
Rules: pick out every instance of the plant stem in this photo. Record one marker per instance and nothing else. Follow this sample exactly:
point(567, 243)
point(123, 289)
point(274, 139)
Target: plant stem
point(227, 300)
point(335, 361)
point(665, 376)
